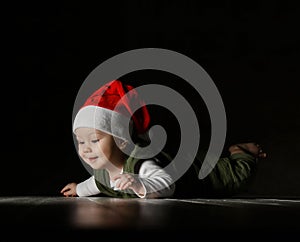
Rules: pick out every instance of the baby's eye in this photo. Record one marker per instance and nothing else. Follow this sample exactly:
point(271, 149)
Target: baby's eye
point(95, 140)
point(80, 142)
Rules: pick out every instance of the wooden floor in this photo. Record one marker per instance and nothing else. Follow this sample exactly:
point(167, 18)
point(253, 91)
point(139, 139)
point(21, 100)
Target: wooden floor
point(235, 219)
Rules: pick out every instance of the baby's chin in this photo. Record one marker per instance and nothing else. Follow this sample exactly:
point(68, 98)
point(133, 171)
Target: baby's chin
point(95, 165)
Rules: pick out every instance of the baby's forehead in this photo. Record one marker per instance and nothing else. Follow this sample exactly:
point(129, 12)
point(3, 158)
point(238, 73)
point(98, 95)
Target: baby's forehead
point(80, 132)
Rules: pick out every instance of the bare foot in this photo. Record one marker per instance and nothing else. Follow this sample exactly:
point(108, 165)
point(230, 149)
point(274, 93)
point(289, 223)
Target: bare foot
point(249, 148)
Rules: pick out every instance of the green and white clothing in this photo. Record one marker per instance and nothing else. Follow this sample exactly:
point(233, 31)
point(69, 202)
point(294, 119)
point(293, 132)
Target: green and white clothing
point(157, 183)
point(230, 175)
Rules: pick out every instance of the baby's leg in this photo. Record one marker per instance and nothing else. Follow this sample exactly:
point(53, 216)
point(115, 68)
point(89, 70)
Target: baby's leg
point(250, 148)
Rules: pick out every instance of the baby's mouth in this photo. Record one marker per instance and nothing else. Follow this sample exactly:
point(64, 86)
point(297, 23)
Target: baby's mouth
point(92, 159)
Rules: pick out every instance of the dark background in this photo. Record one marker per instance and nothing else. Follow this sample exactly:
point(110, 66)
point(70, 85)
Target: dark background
point(251, 51)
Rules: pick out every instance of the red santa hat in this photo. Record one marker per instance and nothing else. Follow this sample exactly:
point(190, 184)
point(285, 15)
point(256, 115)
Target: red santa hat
point(109, 110)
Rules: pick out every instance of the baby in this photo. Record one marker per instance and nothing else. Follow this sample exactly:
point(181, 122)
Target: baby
point(115, 173)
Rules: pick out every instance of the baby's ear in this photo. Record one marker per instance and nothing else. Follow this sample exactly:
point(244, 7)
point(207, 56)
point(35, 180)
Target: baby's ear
point(122, 144)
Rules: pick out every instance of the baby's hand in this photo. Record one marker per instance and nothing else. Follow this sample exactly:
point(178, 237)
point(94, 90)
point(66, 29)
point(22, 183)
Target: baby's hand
point(125, 181)
point(69, 190)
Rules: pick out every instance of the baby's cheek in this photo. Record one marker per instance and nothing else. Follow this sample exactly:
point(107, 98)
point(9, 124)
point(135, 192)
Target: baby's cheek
point(80, 153)
point(98, 149)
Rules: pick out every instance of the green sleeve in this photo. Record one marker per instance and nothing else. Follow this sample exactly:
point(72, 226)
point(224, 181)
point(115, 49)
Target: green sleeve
point(232, 174)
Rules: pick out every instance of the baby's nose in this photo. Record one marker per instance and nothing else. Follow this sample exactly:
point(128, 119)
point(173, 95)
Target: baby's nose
point(87, 149)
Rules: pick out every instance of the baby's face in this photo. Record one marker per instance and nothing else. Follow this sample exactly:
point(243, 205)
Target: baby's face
point(96, 148)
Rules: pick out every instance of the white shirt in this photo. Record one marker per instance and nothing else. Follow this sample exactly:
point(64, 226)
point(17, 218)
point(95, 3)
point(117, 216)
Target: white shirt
point(156, 182)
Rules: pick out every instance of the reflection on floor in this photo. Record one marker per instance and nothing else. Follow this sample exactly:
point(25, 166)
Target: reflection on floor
point(235, 219)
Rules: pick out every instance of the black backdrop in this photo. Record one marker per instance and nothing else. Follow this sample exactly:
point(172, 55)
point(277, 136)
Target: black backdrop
point(251, 51)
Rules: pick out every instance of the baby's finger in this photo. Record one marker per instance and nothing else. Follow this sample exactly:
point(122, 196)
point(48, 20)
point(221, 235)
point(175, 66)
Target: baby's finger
point(117, 177)
point(262, 155)
point(120, 184)
point(67, 194)
point(126, 185)
point(117, 182)
point(64, 189)
point(127, 180)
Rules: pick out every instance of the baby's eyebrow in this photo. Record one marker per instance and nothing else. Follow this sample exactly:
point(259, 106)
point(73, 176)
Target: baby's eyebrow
point(99, 134)
point(90, 134)
point(93, 135)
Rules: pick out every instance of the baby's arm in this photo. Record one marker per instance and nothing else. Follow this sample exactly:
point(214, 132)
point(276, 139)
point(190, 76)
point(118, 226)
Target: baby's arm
point(83, 189)
point(232, 173)
point(156, 182)
point(151, 182)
